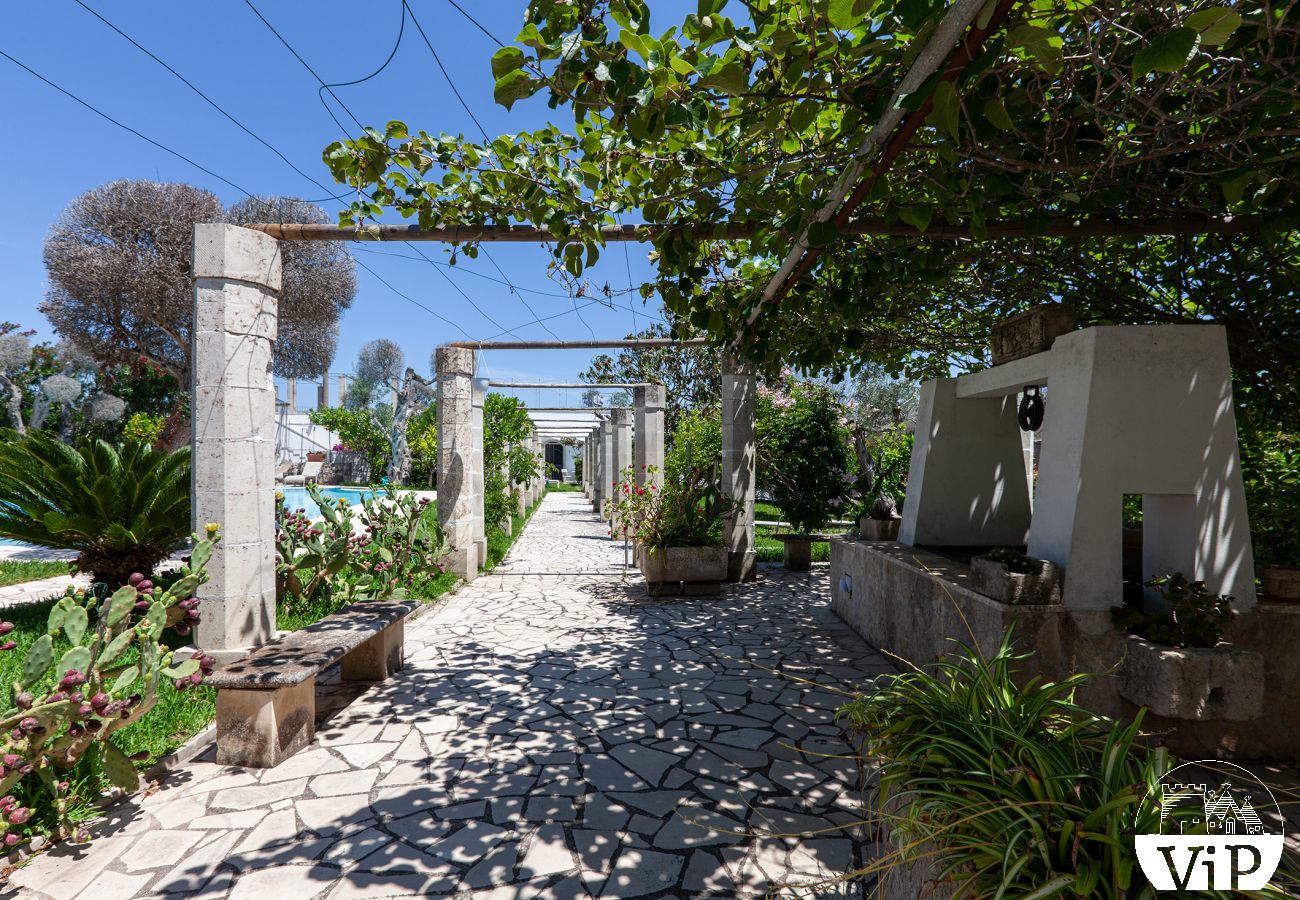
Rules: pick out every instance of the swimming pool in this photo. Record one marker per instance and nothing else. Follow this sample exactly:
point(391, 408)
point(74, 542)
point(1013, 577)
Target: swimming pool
point(298, 498)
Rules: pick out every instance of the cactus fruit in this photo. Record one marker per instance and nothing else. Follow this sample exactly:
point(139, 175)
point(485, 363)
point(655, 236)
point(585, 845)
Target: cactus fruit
point(63, 705)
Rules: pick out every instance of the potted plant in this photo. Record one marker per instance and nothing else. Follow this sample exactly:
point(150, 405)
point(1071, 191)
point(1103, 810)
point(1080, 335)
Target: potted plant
point(677, 530)
point(1176, 662)
point(805, 459)
point(883, 459)
point(1010, 576)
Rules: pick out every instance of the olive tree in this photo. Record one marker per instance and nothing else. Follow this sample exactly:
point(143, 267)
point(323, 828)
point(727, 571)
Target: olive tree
point(119, 261)
point(382, 375)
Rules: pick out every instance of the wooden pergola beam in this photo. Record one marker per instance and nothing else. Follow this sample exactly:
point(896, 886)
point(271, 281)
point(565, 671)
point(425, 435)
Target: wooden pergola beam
point(737, 231)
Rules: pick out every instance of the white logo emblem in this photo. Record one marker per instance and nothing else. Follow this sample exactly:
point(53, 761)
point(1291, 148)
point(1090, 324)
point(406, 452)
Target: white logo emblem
point(1211, 834)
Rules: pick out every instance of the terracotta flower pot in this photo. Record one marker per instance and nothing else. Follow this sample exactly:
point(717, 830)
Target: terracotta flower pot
point(1280, 583)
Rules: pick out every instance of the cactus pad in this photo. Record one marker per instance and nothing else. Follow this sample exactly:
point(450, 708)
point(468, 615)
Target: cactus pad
point(40, 656)
point(119, 769)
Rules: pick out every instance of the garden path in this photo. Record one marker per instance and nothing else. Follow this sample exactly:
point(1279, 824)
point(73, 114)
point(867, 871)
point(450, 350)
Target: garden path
point(555, 733)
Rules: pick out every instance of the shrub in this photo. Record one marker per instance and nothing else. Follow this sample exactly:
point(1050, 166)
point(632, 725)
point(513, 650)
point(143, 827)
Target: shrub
point(357, 430)
point(696, 440)
point(122, 508)
point(506, 461)
point(1196, 617)
point(1015, 790)
point(688, 511)
point(883, 458)
point(804, 456)
point(143, 427)
point(327, 565)
point(1270, 468)
point(108, 677)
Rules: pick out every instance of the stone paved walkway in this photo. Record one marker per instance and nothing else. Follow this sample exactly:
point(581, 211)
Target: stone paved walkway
point(555, 733)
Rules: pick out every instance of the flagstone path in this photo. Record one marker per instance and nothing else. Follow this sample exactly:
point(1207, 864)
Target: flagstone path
point(555, 733)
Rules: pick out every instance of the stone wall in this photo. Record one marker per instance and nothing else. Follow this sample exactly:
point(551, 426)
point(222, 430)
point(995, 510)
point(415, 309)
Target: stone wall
point(914, 604)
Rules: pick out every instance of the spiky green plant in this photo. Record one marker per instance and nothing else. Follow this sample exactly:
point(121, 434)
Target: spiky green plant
point(121, 508)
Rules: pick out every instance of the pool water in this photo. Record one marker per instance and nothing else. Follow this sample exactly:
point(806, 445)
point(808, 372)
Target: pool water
point(298, 498)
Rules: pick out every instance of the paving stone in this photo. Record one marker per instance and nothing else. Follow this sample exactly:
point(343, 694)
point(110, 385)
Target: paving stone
point(156, 849)
point(640, 872)
point(283, 881)
point(548, 853)
point(551, 735)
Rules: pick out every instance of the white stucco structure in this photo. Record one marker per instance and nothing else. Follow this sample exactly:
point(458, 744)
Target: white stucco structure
point(1130, 410)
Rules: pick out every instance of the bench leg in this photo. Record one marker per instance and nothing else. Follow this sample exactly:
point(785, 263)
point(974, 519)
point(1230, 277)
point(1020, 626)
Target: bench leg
point(261, 729)
point(379, 657)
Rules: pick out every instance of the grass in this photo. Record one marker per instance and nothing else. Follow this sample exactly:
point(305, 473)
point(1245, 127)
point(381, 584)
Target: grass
point(499, 543)
point(566, 488)
point(770, 549)
point(16, 571)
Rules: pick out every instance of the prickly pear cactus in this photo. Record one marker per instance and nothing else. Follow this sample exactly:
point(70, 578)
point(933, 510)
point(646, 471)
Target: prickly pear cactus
point(70, 699)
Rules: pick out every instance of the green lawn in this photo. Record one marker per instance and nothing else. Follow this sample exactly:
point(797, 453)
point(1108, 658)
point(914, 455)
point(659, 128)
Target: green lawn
point(16, 571)
point(770, 549)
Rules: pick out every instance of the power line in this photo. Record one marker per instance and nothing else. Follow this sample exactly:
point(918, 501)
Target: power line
point(412, 300)
point(218, 107)
point(487, 141)
point(144, 137)
point(477, 24)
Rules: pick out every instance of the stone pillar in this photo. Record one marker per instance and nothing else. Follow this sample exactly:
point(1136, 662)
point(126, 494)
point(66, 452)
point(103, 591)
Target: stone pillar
point(291, 394)
point(966, 481)
point(739, 388)
point(480, 386)
point(456, 502)
point(343, 391)
point(649, 401)
point(323, 392)
point(620, 448)
point(607, 473)
point(236, 278)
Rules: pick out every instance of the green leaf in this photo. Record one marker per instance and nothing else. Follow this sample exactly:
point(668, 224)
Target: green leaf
point(1168, 52)
point(125, 679)
point(119, 605)
point(59, 615)
point(996, 112)
point(917, 216)
point(1235, 188)
point(76, 658)
point(513, 86)
point(40, 656)
point(1215, 25)
point(74, 626)
point(845, 14)
point(202, 553)
point(119, 769)
point(946, 108)
point(822, 234)
point(155, 619)
point(183, 670)
point(1043, 44)
point(504, 61)
point(116, 647)
point(634, 42)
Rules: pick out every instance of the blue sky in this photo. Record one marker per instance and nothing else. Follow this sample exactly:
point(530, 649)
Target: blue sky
point(57, 148)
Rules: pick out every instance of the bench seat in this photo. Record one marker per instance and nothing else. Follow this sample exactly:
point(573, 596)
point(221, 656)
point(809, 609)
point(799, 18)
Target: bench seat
point(266, 701)
point(797, 549)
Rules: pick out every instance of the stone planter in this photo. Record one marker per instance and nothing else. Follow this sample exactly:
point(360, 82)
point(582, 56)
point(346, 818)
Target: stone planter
point(1193, 683)
point(796, 552)
point(1280, 583)
point(1038, 588)
point(683, 570)
point(1031, 332)
point(870, 529)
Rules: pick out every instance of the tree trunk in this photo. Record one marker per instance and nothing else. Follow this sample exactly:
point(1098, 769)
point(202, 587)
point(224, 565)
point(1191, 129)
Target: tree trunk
point(14, 404)
point(399, 460)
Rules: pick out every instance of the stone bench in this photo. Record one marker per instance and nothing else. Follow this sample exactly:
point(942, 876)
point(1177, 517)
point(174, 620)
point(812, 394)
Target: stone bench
point(797, 549)
point(266, 701)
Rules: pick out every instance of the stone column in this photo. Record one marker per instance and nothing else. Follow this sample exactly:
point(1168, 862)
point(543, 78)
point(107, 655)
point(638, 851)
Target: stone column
point(456, 502)
point(620, 449)
point(343, 391)
point(649, 401)
point(739, 388)
point(480, 386)
point(607, 474)
point(323, 392)
point(236, 278)
point(291, 394)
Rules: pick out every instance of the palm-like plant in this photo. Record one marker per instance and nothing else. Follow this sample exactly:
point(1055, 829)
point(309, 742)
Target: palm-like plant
point(122, 508)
